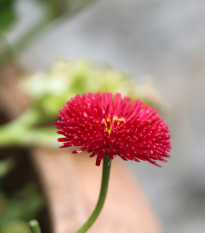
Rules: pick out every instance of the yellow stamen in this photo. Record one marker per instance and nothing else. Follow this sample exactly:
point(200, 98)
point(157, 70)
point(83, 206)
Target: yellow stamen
point(111, 123)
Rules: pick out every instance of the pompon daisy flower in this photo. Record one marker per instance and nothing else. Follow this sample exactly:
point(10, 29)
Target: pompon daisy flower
point(101, 124)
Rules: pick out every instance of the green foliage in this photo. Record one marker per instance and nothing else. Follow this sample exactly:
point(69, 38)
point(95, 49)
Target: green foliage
point(50, 90)
point(15, 226)
point(52, 10)
point(16, 209)
point(7, 14)
point(55, 8)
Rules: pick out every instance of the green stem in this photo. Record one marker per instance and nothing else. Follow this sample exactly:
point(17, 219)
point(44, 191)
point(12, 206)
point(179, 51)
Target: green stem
point(34, 225)
point(11, 52)
point(102, 196)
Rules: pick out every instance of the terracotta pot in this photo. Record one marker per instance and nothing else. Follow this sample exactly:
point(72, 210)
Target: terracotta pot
point(71, 185)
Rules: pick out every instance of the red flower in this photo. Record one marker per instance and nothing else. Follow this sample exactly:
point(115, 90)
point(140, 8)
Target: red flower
point(100, 124)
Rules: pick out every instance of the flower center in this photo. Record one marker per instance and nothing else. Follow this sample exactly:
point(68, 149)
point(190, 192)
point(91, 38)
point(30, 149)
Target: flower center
point(111, 123)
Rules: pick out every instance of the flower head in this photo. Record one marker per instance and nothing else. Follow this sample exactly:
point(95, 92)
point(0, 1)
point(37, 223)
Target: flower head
point(101, 124)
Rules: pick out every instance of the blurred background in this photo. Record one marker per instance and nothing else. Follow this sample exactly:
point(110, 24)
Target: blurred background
point(164, 40)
